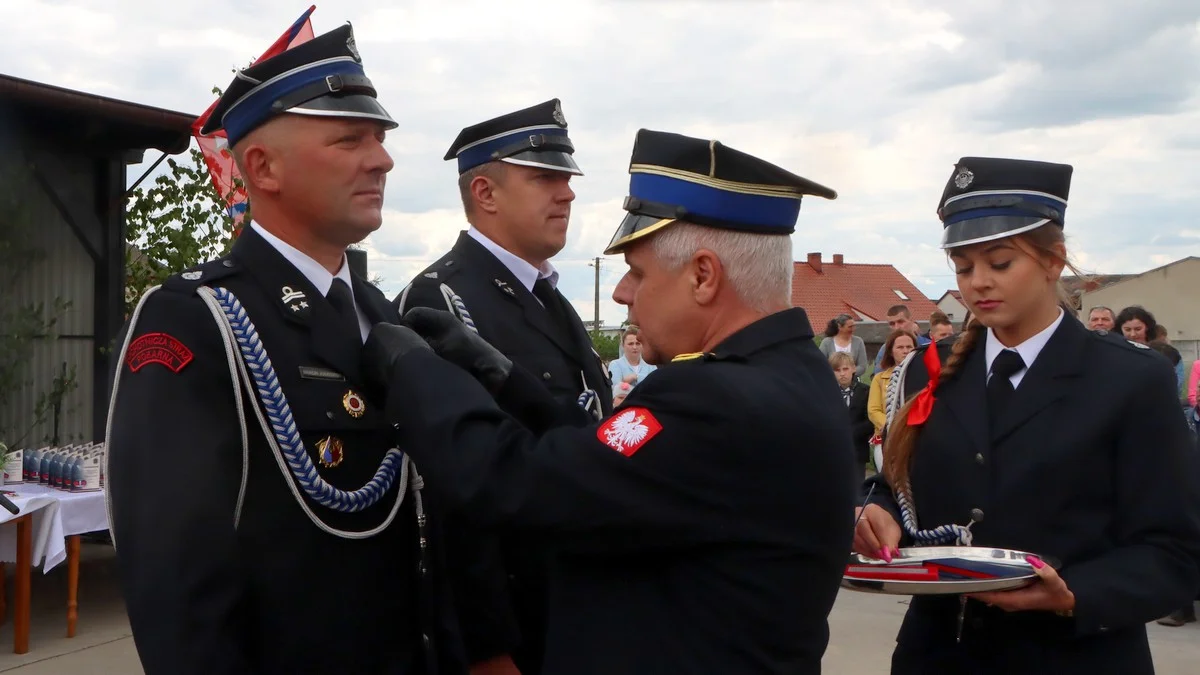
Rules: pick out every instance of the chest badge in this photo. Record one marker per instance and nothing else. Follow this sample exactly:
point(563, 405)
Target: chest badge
point(329, 451)
point(354, 404)
point(504, 287)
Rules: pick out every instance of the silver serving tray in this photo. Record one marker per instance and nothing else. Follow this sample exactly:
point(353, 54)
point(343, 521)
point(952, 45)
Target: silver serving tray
point(950, 586)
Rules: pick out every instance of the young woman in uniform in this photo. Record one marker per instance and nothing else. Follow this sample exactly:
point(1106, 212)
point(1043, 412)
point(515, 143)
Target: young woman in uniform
point(1032, 433)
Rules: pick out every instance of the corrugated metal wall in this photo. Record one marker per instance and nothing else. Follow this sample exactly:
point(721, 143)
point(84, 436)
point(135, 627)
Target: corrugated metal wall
point(65, 271)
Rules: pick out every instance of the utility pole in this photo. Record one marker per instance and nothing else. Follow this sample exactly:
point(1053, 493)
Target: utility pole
point(596, 304)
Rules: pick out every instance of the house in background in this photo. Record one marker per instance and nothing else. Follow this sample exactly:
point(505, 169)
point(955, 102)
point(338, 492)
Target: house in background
point(1168, 292)
point(864, 291)
point(952, 305)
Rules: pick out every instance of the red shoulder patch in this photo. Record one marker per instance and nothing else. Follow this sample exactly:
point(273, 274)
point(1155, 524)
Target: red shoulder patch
point(627, 431)
point(157, 348)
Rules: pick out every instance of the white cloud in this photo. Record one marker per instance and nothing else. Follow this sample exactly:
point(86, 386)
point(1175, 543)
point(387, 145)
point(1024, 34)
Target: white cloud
point(876, 99)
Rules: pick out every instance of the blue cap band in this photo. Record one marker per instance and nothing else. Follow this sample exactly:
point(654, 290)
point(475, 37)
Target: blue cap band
point(251, 111)
point(739, 210)
point(1015, 210)
point(481, 153)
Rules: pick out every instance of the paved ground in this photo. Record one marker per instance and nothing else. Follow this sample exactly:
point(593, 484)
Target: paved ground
point(862, 628)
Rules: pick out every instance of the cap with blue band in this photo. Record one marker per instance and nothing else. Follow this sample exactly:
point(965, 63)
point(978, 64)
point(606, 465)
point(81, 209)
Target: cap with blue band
point(323, 77)
point(991, 198)
point(679, 178)
point(535, 136)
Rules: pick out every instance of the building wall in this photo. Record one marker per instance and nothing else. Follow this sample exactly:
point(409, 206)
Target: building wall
point(1169, 293)
point(952, 308)
point(66, 271)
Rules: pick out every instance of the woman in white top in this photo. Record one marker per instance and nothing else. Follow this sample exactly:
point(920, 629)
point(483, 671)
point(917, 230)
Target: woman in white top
point(840, 337)
point(628, 369)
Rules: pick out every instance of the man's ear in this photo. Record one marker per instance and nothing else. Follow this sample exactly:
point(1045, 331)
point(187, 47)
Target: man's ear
point(259, 166)
point(706, 276)
point(483, 191)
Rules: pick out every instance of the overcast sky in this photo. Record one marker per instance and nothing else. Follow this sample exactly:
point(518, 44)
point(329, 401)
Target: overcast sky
point(875, 98)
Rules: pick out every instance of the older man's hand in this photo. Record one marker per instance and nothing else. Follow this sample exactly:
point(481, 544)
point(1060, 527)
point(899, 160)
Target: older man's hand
point(458, 344)
point(385, 345)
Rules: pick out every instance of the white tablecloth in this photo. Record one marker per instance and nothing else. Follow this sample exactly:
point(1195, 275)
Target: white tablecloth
point(56, 516)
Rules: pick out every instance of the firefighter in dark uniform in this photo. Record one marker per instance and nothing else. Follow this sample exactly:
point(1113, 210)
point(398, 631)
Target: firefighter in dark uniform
point(696, 526)
point(1034, 434)
point(514, 174)
point(264, 521)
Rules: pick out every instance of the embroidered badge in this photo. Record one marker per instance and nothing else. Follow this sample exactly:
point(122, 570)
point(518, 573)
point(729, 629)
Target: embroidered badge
point(354, 404)
point(289, 295)
point(629, 431)
point(192, 276)
point(157, 348)
point(558, 115)
point(329, 451)
point(430, 275)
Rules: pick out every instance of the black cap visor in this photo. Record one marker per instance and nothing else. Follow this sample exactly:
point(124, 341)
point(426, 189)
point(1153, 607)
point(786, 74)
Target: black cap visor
point(358, 106)
point(634, 227)
point(988, 228)
point(545, 159)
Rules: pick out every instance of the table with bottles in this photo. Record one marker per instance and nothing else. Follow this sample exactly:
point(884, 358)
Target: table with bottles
point(60, 497)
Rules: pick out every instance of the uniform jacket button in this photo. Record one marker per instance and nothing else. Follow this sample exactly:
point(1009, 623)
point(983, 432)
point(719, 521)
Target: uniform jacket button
point(329, 414)
point(546, 376)
point(979, 458)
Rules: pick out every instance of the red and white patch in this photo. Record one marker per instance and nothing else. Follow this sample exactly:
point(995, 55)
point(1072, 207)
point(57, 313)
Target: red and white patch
point(157, 348)
point(627, 431)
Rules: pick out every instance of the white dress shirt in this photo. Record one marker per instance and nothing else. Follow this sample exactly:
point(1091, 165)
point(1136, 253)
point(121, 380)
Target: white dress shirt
point(316, 273)
point(525, 273)
point(1028, 349)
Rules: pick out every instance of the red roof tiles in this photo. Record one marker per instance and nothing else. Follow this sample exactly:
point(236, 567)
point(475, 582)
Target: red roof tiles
point(826, 289)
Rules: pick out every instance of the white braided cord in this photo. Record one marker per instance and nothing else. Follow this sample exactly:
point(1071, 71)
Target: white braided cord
point(959, 535)
point(283, 426)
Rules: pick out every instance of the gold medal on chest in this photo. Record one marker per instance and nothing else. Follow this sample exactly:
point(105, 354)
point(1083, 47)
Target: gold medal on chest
point(354, 404)
point(329, 451)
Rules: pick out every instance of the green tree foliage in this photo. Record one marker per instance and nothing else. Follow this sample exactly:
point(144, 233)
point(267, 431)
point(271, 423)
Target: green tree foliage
point(607, 346)
point(175, 223)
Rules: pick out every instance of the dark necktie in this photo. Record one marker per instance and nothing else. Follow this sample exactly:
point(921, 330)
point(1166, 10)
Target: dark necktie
point(543, 291)
point(999, 388)
point(343, 302)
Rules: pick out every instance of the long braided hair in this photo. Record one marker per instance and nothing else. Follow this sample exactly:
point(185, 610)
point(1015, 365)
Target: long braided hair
point(901, 443)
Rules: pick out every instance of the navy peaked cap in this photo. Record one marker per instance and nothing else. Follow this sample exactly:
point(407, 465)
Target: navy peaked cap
point(323, 77)
point(675, 177)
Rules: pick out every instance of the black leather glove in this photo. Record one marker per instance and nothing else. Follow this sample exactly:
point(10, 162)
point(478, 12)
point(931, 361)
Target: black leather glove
point(385, 345)
point(456, 343)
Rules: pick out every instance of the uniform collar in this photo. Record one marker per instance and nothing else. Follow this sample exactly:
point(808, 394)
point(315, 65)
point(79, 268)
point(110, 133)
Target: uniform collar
point(312, 270)
point(1028, 349)
point(790, 324)
point(521, 269)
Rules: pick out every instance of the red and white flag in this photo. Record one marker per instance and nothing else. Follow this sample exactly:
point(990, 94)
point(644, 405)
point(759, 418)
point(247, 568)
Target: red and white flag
point(215, 146)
